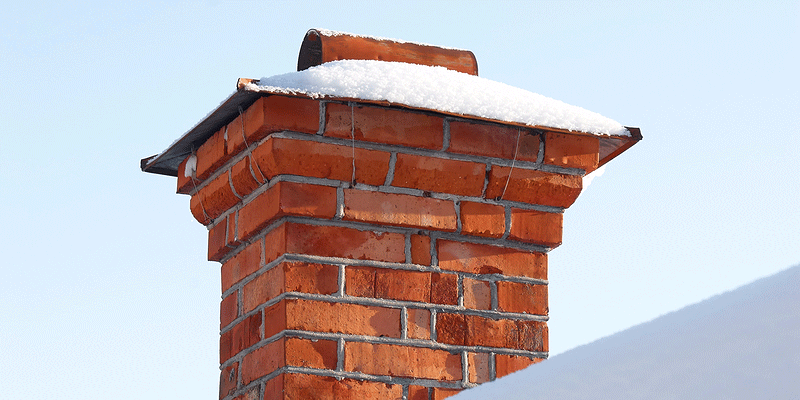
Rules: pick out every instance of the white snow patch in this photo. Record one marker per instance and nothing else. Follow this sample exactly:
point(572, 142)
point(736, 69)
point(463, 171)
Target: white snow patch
point(191, 167)
point(439, 89)
point(743, 344)
point(588, 178)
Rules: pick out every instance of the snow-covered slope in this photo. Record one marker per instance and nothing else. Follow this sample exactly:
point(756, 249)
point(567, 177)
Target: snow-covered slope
point(743, 344)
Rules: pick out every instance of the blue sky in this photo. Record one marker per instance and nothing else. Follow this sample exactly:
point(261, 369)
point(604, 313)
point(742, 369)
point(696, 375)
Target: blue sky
point(104, 286)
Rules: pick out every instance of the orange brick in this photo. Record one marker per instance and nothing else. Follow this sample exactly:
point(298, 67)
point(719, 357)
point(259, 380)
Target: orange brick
point(263, 361)
point(218, 240)
point(574, 151)
point(333, 241)
point(485, 259)
point(477, 294)
point(278, 156)
point(534, 187)
point(302, 387)
point(419, 324)
point(421, 249)
point(275, 319)
point(506, 364)
point(402, 361)
point(290, 277)
point(321, 354)
point(478, 367)
point(243, 335)
point(354, 319)
point(227, 380)
point(286, 198)
point(451, 329)
point(244, 182)
point(211, 155)
point(233, 238)
point(213, 199)
point(473, 330)
point(399, 210)
point(241, 265)
point(522, 298)
point(418, 392)
point(493, 140)
point(537, 227)
point(386, 283)
point(228, 310)
point(384, 125)
point(439, 175)
point(273, 114)
point(438, 393)
point(481, 219)
point(444, 288)
point(359, 281)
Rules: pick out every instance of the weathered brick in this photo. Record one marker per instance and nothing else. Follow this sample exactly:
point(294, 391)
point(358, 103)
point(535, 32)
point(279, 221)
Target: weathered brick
point(321, 354)
point(419, 324)
point(493, 140)
point(218, 240)
point(279, 156)
point(418, 392)
point(290, 277)
point(473, 330)
point(522, 298)
point(485, 259)
point(273, 114)
point(506, 364)
point(571, 150)
point(243, 335)
point(228, 310)
point(479, 367)
point(421, 249)
point(439, 175)
point(211, 155)
point(302, 387)
point(334, 241)
point(537, 227)
point(354, 319)
point(244, 182)
point(451, 328)
point(286, 198)
point(533, 187)
point(444, 288)
point(402, 361)
point(384, 125)
point(399, 210)
point(384, 283)
point(477, 294)
point(228, 378)
point(213, 199)
point(241, 265)
point(482, 219)
point(263, 360)
point(438, 393)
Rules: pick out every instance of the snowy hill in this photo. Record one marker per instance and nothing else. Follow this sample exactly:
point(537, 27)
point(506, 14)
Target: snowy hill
point(743, 344)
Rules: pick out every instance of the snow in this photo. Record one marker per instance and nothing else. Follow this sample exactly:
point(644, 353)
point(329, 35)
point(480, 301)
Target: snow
point(440, 89)
point(743, 344)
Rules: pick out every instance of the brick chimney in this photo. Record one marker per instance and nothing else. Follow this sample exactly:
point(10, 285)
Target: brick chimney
point(375, 248)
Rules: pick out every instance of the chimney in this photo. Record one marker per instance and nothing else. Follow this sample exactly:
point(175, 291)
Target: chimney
point(376, 243)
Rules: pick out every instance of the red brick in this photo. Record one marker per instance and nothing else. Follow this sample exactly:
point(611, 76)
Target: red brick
point(228, 310)
point(213, 199)
point(478, 367)
point(534, 187)
point(419, 324)
point(353, 319)
point(278, 156)
point(473, 330)
point(243, 335)
point(438, 393)
point(321, 354)
point(402, 361)
point(227, 380)
point(286, 198)
point(485, 259)
point(244, 182)
point(290, 277)
point(241, 265)
point(384, 125)
point(418, 392)
point(218, 240)
point(302, 387)
point(421, 249)
point(444, 288)
point(537, 227)
point(522, 298)
point(185, 184)
point(263, 360)
point(574, 151)
point(439, 175)
point(506, 364)
point(359, 281)
point(273, 114)
point(493, 141)
point(233, 238)
point(451, 329)
point(275, 319)
point(481, 219)
point(403, 285)
point(211, 155)
point(399, 210)
point(333, 241)
point(477, 294)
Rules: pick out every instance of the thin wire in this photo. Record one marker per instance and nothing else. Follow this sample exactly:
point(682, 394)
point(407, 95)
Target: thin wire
point(353, 142)
point(514, 161)
point(246, 145)
point(197, 193)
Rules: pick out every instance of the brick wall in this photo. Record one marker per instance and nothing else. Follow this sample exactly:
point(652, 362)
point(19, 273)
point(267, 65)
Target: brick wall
point(378, 252)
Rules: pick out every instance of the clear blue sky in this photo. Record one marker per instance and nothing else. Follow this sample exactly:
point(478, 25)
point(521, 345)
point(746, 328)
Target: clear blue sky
point(104, 287)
